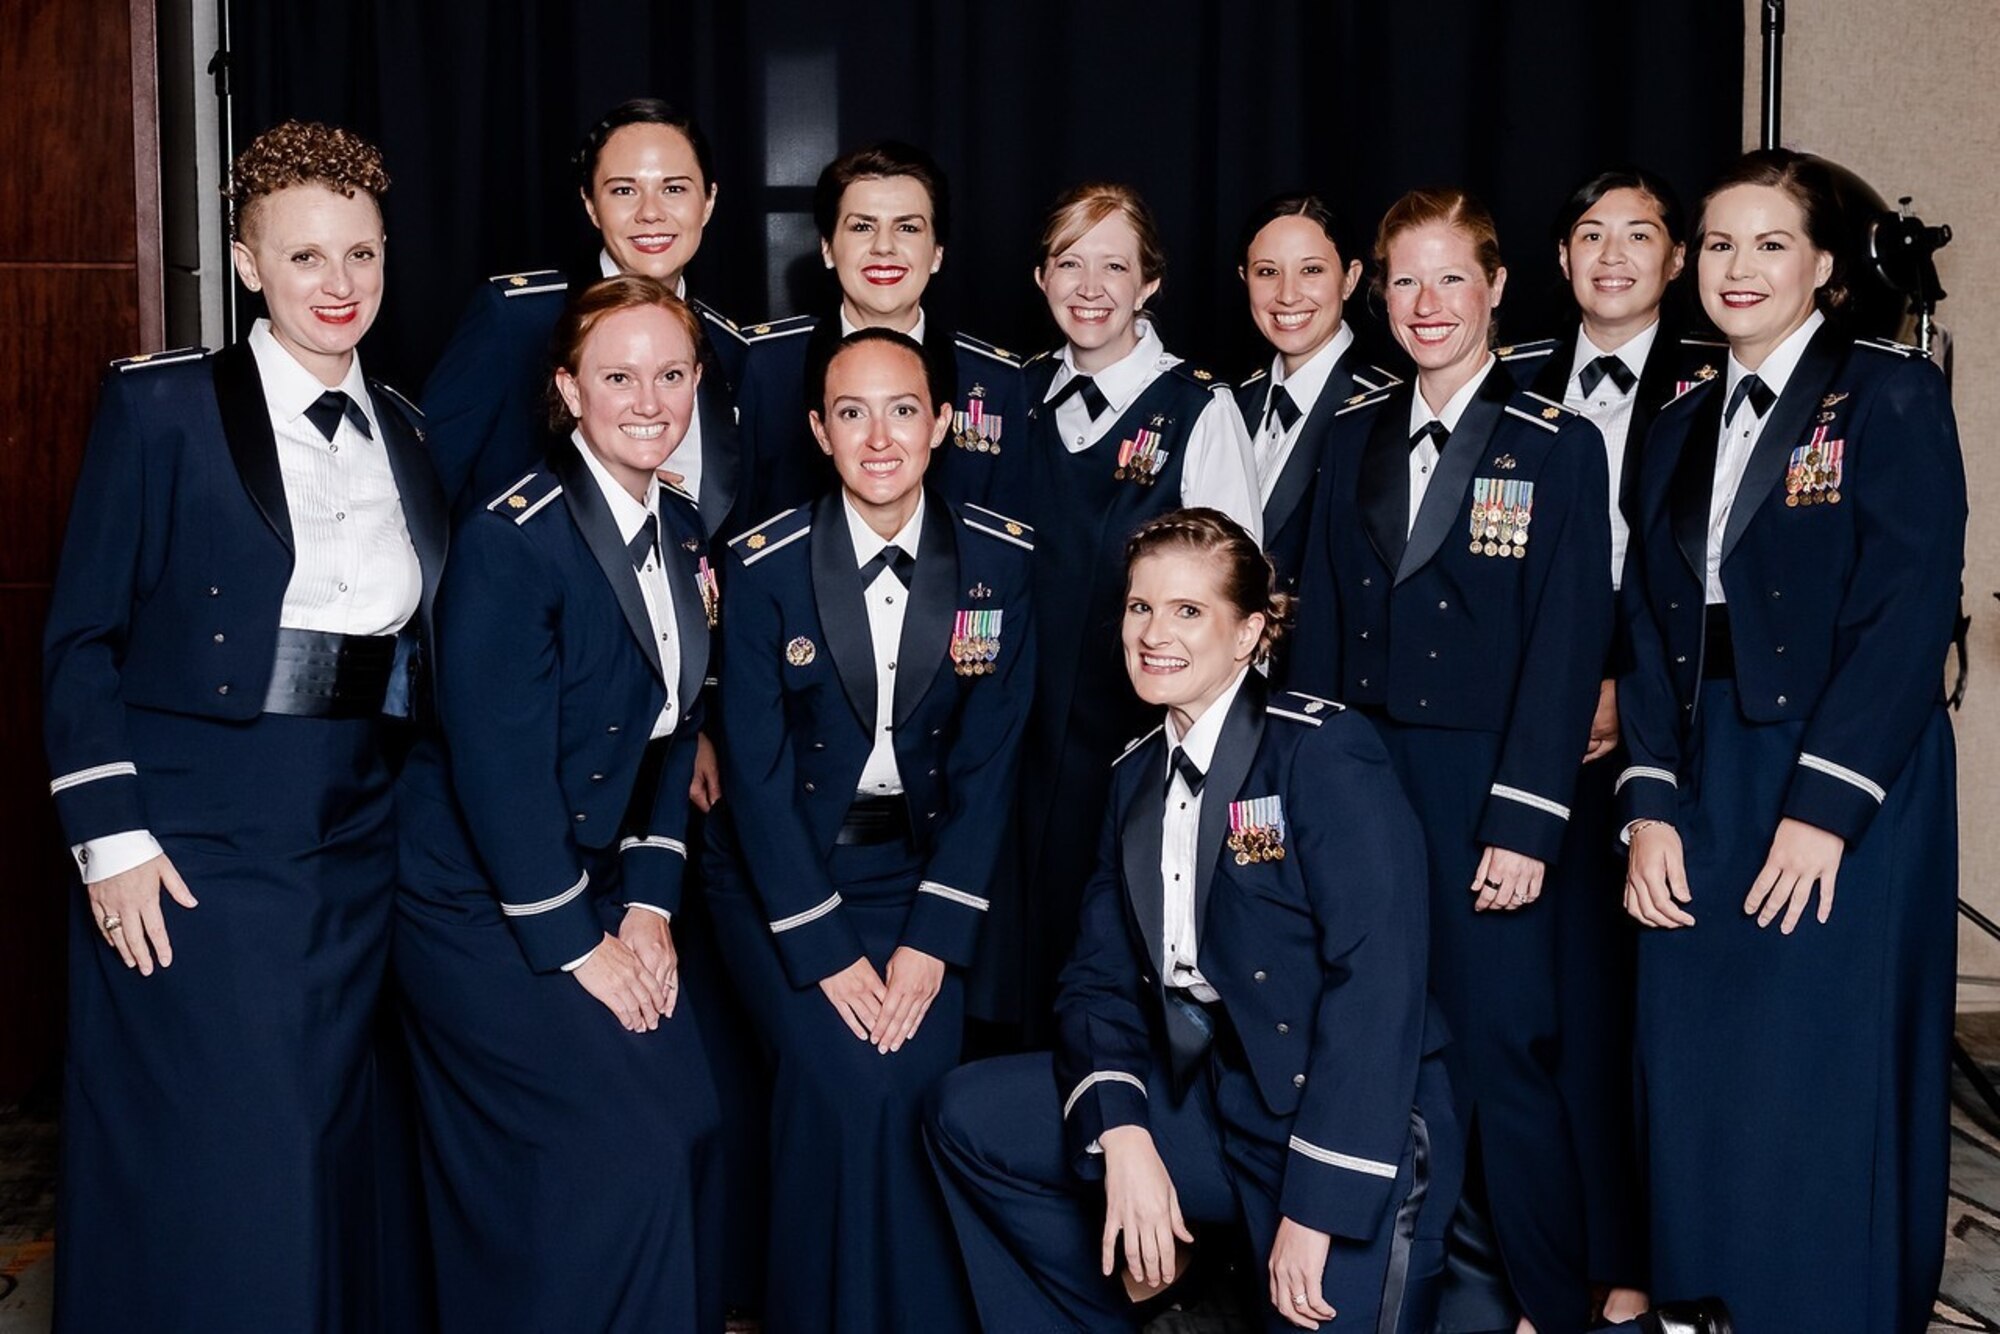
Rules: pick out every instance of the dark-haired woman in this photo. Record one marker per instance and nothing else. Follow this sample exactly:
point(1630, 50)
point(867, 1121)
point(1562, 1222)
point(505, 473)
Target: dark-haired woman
point(879, 651)
point(247, 574)
point(567, 1106)
point(1243, 1031)
point(884, 219)
point(1620, 242)
point(1455, 592)
point(1298, 267)
point(1794, 582)
point(1120, 431)
point(646, 179)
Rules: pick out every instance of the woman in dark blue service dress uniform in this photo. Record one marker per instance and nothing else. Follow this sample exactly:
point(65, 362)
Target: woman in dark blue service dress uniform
point(647, 183)
point(568, 1113)
point(1299, 268)
point(1455, 591)
point(1119, 431)
point(1243, 1031)
point(879, 654)
point(884, 219)
point(247, 572)
point(1792, 595)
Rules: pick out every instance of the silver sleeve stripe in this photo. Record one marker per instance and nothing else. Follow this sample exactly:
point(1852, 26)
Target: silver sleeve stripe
point(812, 914)
point(654, 841)
point(778, 545)
point(1371, 1166)
point(1557, 809)
point(955, 895)
point(1000, 533)
point(115, 769)
point(548, 904)
point(1101, 1077)
point(1845, 775)
point(1646, 771)
point(1531, 417)
point(537, 507)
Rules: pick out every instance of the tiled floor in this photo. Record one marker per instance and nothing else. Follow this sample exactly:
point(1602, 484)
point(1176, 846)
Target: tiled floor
point(1970, 1300)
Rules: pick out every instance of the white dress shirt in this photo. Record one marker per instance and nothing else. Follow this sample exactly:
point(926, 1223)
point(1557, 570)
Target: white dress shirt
point(354, 568)
point(1423, 459)
point(1219, 471)
point(686, 458)
point(1180, 836)
point(1739, 436)
point(631, 515)
point(1609, 408)
point(1273, 444)
point(887, 600)
point(849, 327)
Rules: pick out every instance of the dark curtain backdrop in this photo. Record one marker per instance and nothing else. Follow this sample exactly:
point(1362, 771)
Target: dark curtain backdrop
point(1205, 106)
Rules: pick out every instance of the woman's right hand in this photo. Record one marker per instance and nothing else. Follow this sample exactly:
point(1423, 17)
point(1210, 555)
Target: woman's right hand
point(126, 908)
point(856, 993)
point(615, 976)
point(1140, 1201)
point(1656, 877)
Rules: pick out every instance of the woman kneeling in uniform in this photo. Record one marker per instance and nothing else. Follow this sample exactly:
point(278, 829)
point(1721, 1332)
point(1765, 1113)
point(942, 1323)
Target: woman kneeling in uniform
point(566, 1148)
point(1244, 1031)
point(876, 673)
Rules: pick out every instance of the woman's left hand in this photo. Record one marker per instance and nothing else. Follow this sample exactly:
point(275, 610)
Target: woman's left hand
point(1604, 726)
point(652, 939)
point(1506, 880)
point(706, 789)
point(1801, 856)
point(914, 979)
point(1298, 1261)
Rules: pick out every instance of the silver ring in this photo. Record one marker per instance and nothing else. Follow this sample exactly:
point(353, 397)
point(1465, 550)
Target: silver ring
point(1520, 896)
point(112, 922)
point(1300, 1299)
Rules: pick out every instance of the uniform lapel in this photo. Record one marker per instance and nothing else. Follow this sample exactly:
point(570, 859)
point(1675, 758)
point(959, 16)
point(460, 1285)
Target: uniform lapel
point(721, 454)
point(1384, 484)
point(1656, 387)
point(927, 619)
point(690, 616)
point(1462, 452)
point(424, 511)
point(246, 422)
point(1694, 479)
point(843, 607)
point(1235, 750)
point(1295, 482)
point(1144, 817)
point(1552, 380)
point(600, 533)
point(1789, 417)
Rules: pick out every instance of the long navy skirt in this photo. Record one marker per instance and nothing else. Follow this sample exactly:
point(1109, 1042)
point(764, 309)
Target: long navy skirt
point(219, 1128)
point(1795, 1089)
point(860, 1242)
point(569, 1165)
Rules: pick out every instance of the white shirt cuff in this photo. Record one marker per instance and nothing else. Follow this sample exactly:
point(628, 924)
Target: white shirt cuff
point(652, 908)
point(114, 854)
point(580, 961)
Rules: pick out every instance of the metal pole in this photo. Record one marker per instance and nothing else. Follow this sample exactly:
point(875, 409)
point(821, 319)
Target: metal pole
point(1774, 69)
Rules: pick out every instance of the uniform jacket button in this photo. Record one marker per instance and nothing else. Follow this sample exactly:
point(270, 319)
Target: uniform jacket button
point(597, 778)
point(1298, 1081)
point(1259, 975)
point(214, 592)
point(1779, 649)
point(1146, 979)
point(1364, 634)
point(809, 787)
point(937, 731)
point(579, 817)
point(222, 690)
point(1781, 701)
point(1443, 605)
point(1364, 683)
point(1680, 657)
point(933, 773)
point(1423, 704)
point(1284, 1028)
point(1366, 580)
point(611, 730)
point(1434, 653)
point(1776, 594)
point(1673, 606)
point(819, 745)
point(219, 639)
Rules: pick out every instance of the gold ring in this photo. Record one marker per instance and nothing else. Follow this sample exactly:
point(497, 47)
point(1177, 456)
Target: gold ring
point(112, 923)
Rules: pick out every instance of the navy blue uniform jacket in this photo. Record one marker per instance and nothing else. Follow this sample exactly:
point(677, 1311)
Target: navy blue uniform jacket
point(1840, 612)
point(798, 720)
point(175, 564)
point(549, 682)
point(1320, 959)
point(1440, 635)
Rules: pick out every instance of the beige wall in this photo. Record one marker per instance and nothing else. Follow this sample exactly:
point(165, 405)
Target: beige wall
point(1907, 94)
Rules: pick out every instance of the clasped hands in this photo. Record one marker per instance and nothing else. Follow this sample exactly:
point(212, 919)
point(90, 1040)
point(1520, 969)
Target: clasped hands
point(886, 1012)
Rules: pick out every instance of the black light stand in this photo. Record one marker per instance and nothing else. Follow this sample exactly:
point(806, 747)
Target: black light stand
point(1774, 68)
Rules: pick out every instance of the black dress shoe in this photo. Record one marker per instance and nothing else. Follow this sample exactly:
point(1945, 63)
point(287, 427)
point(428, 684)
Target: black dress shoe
point(1705, 1316)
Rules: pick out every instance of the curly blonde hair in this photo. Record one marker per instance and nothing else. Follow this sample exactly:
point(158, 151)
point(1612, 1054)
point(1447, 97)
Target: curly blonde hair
point(300, 152)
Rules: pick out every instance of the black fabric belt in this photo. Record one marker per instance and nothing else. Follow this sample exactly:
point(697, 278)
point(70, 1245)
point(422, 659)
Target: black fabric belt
point(874, 820)
point(1718, 649)
point(320, 674)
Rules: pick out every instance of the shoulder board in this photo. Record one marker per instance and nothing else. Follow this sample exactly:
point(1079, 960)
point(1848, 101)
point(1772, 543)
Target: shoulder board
point(1372, 378)
point(1694, 387)
point(1251, 379)
point(1367, 398)
point(1206, 379)
point(673, 490)
point(715, 317)
point(527, 497)
point(1138, 742)
point(1692, 341)
point(1301, 707)
point(527, 284)
point(1543, 412)
point(986, 349)
point(395, 395)
point(148, 359)
point(998, 525)
point(1042, 355)
point(780, 530)
point(1889, 345)
point(797, 324)
point(1541, 347)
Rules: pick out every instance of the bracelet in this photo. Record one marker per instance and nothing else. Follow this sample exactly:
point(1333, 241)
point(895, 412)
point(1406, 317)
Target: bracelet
point(1637, 825)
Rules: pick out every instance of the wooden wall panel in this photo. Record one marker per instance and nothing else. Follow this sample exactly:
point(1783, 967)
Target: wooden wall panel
point(66, 120)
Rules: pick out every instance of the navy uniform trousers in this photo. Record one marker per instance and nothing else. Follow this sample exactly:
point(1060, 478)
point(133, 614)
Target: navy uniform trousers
point(1481, 670)
point(1794, 1089)
point(222, 1119)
